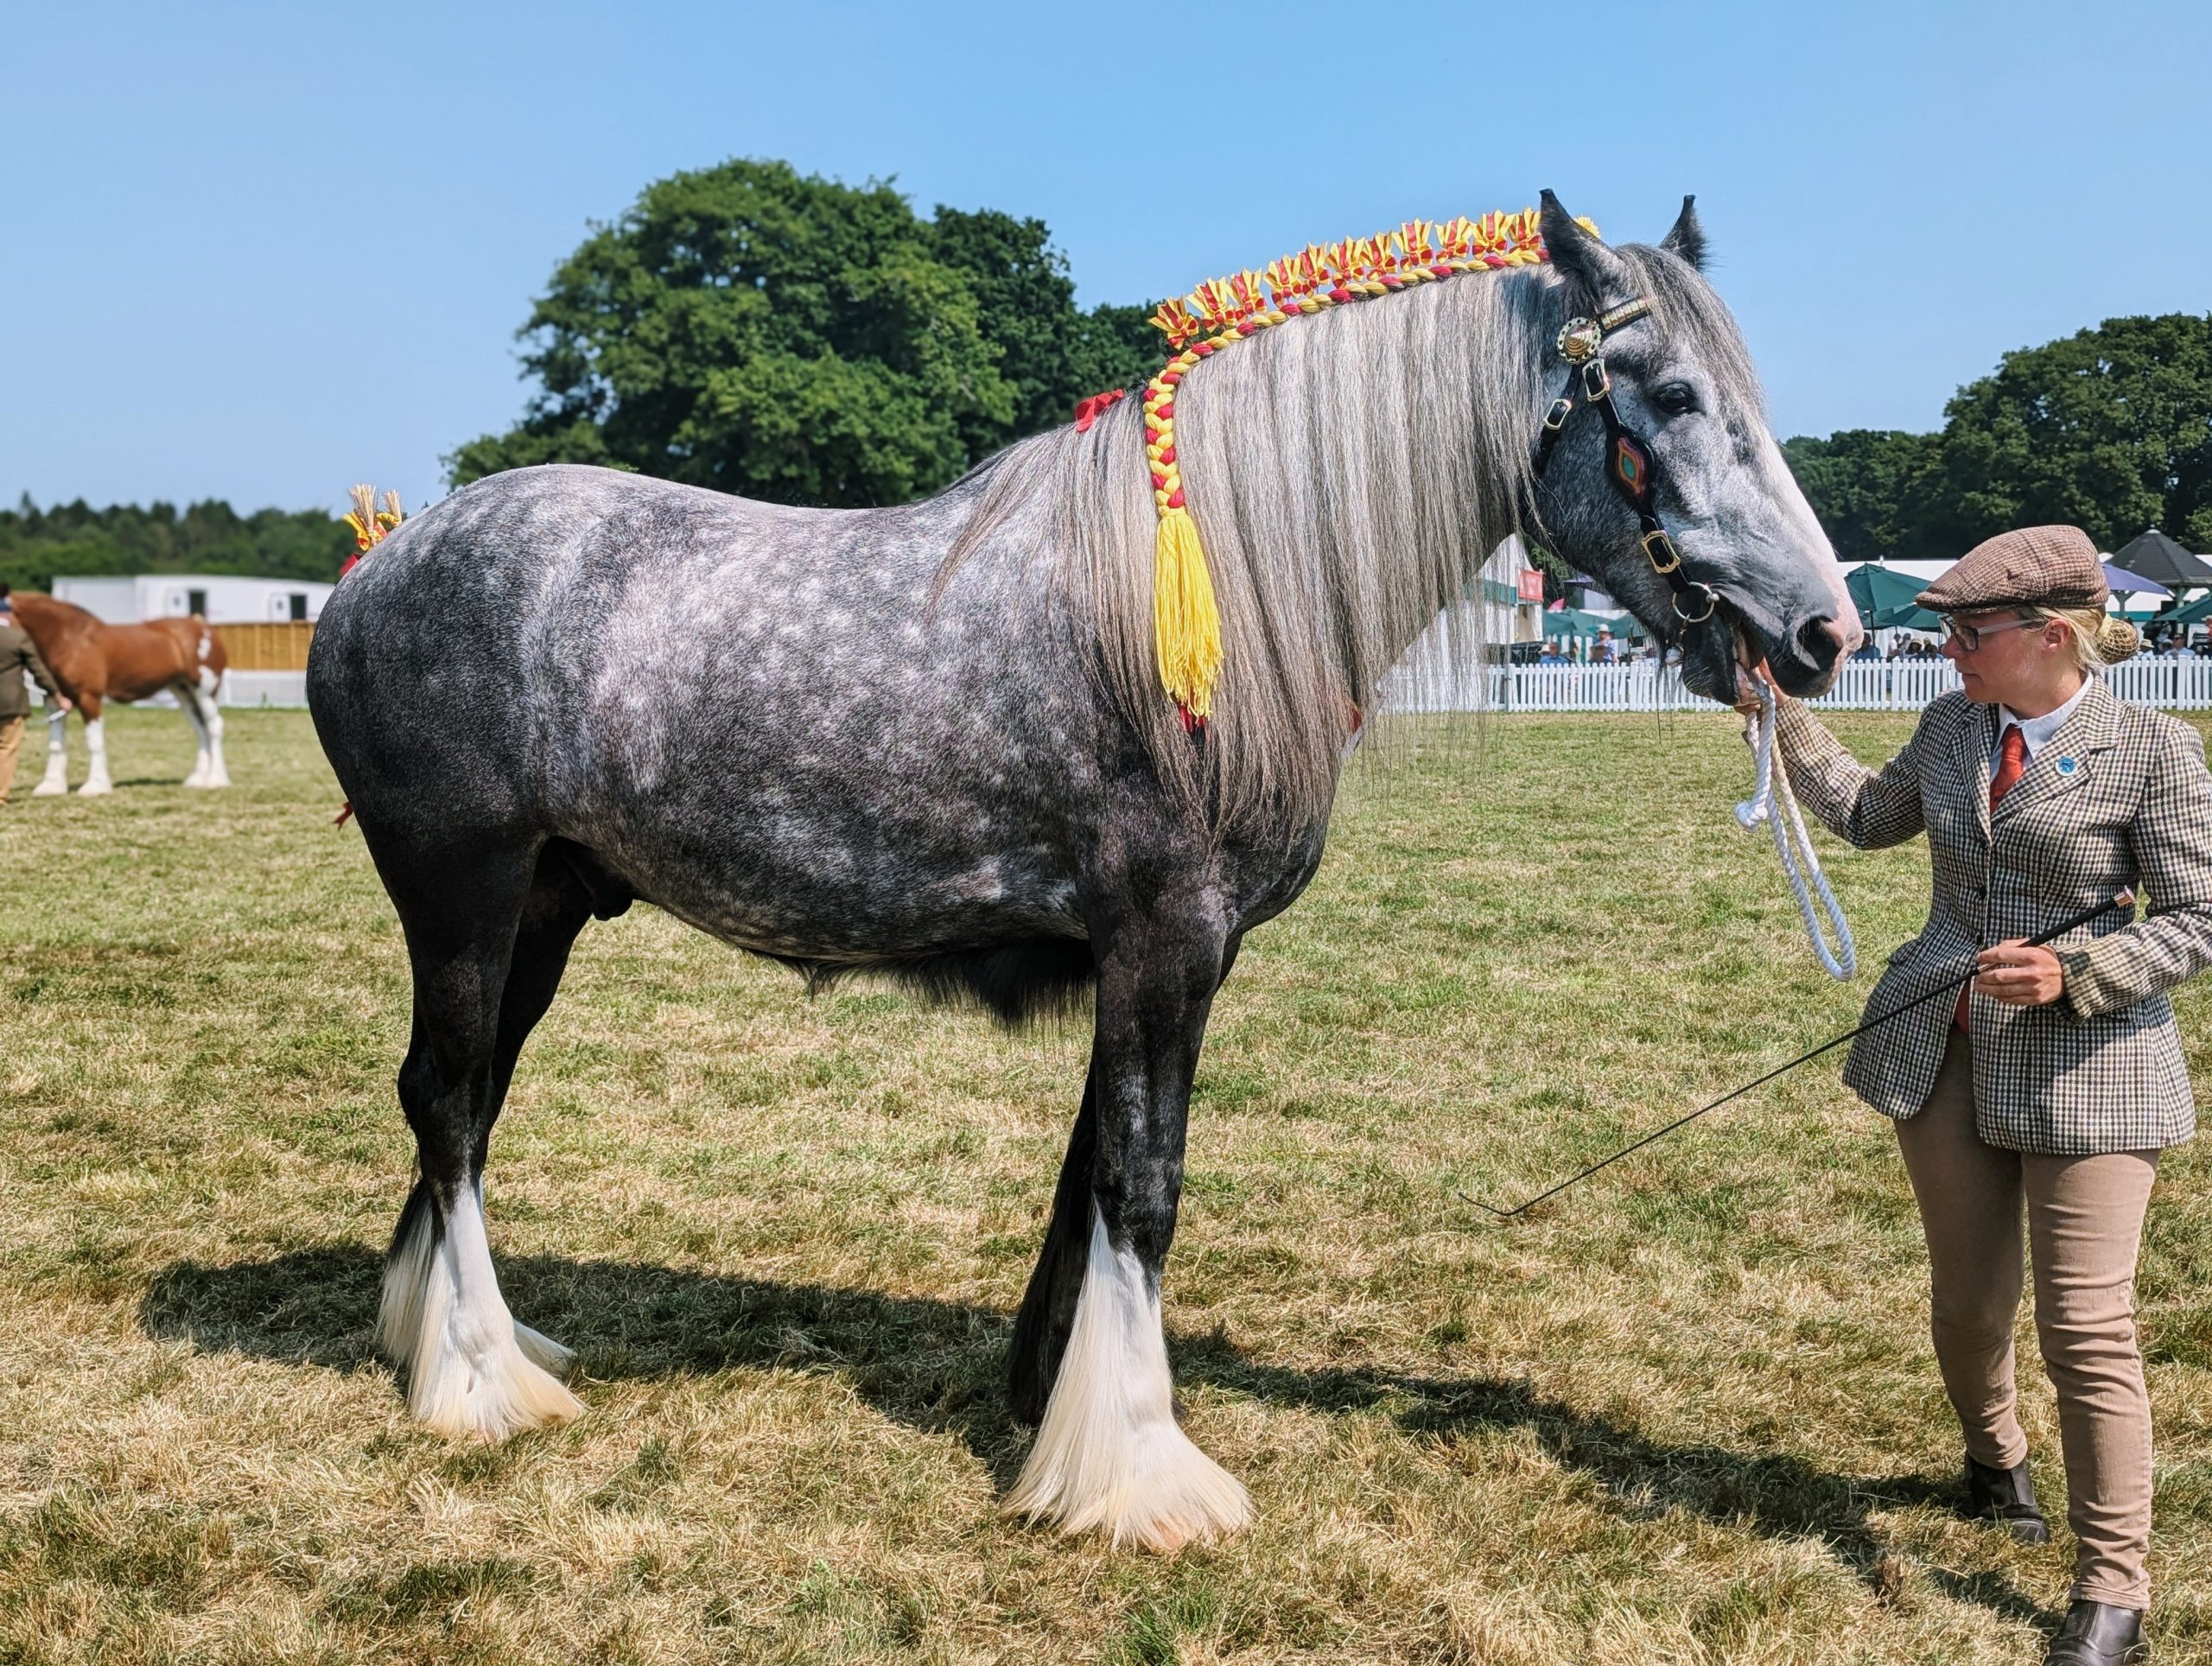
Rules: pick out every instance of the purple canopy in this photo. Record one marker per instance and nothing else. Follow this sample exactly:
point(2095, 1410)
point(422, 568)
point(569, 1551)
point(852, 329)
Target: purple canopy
point(2124, 582)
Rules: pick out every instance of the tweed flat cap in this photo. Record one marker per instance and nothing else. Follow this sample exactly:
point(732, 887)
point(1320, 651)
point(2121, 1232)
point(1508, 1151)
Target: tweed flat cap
point(2054, 566)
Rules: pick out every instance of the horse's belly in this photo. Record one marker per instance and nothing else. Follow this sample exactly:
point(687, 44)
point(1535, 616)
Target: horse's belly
point(812, 890)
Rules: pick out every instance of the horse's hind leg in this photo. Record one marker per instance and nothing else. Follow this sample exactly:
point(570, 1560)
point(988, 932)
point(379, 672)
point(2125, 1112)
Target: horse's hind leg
point(198, 699)
point(443, 1318)
point(97, 781)
point(1109, 1454)
point(211, 718)
point(55, 781)
point(188, 702)
point(554, 911)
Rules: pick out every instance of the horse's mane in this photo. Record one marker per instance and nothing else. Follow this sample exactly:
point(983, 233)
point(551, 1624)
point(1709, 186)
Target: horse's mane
point(1350, 474)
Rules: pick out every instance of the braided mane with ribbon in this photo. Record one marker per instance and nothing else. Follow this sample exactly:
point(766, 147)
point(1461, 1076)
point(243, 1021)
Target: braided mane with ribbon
point(1221, 312)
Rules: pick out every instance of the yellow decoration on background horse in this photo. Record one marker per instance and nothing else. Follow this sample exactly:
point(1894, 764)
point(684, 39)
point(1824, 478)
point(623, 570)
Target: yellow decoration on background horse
point(369, 524)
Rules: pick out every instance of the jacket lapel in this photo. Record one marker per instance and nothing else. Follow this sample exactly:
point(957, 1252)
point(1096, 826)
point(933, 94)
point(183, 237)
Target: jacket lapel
point(2060, 764)
point(1969, 762)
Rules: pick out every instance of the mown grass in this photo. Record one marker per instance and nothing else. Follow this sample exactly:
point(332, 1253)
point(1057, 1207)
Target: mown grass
point(1686, 1413)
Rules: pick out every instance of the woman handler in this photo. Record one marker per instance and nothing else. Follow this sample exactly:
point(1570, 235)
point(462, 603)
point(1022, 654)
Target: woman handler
point(2052, 1087)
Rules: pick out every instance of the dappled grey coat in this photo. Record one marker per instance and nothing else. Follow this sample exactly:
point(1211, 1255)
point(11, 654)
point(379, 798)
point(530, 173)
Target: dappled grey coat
point(2120, 797)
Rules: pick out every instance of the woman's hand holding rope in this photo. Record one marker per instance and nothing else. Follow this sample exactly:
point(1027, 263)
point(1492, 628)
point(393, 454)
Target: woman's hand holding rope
point(2015, 972)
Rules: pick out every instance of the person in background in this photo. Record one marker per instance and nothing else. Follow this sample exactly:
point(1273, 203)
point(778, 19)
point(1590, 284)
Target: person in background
point(1601, 651)
point(18, 655)
point(1551, 655)
point(2051, 1087)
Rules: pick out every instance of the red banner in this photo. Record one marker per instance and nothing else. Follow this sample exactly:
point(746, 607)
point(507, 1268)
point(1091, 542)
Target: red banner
point(1532, 585)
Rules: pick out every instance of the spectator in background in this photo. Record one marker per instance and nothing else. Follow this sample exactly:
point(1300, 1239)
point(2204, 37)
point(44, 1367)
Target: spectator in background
point(1551, 655)
point(18, 655)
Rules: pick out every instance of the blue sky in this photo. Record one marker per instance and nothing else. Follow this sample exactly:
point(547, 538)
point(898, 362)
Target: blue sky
point(261, 252)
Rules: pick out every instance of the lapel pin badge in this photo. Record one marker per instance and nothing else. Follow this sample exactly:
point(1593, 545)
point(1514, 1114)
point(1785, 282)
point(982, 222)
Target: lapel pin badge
point(2067, 766)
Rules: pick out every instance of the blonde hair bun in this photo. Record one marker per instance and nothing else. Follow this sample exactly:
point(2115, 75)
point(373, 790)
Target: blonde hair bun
point(2117, 639)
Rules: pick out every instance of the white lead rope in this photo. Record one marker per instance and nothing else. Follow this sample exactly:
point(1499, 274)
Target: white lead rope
point(1793, 844)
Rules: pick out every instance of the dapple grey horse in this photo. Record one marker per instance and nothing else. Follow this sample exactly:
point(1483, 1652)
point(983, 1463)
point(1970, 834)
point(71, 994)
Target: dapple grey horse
point(931, 740)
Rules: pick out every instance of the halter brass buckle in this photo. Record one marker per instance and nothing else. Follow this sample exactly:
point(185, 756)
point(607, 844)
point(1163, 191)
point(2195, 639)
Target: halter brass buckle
point(1596, 384)
point(1555, 419)
point(1694, 619)
point(1658, 534)
point(1579, 338)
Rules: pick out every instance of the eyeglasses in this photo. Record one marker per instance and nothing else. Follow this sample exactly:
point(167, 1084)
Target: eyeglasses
point(1970, 637)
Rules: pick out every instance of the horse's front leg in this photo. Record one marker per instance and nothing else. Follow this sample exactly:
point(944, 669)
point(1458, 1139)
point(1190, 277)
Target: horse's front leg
point(1109, 1454)
point(55, 781)
point(96, 780)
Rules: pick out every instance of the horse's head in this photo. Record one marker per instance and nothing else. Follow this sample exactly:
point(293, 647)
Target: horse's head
point(1757, 573)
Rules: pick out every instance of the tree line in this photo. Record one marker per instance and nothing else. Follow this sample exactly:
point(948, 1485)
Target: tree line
point(759, 331)
point(2109, 429)
point(37, 543)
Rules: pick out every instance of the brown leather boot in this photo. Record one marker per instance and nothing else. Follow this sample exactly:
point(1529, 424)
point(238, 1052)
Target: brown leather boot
point(2006, 1496)
point(2099, 1634)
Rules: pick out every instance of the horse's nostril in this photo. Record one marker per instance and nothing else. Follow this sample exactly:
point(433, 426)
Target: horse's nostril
point(1822, 641)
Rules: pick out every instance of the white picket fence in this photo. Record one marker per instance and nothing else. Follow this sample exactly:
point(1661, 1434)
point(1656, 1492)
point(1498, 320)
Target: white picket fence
point(1863, 686)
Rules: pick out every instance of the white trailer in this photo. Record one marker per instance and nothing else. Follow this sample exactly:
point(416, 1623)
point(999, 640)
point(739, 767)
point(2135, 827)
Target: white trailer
point(219, 598)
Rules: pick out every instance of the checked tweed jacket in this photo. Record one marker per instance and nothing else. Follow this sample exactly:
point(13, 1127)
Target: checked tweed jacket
point(2120, 797)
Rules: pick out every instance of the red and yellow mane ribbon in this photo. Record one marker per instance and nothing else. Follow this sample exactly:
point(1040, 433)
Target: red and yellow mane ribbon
point(1220, 312)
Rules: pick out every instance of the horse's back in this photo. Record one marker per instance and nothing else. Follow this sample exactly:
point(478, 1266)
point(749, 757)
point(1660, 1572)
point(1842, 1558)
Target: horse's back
point(577, 649)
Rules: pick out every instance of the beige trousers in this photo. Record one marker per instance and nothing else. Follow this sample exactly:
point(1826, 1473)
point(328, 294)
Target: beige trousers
point(2085, 1223)
point(11, 742)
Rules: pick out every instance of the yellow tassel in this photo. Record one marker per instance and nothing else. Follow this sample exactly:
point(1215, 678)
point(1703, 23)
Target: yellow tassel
point(1186, 625)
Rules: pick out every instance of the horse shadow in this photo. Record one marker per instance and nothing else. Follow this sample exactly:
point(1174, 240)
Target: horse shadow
point(938, 1365)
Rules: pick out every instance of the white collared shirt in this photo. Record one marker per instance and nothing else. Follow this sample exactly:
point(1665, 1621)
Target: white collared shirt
point(2035, 732)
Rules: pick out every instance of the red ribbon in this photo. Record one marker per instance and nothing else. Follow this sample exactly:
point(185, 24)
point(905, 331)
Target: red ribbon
point(1088, 411)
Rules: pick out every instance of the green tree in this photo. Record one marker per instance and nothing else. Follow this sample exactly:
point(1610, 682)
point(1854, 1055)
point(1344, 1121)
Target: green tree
point(2110, 428)
point(1872, 489)
point(787, 337)
point(36, 544)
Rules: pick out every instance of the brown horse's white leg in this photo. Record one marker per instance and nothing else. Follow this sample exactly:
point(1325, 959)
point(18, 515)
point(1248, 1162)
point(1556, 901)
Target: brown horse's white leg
point(188, 701)
point(96, 742)
point(55, 781)
point(211, 718)
point(198, 701)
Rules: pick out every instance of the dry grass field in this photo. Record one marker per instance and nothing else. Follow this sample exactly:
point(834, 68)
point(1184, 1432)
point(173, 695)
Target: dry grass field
point(1684, 1414)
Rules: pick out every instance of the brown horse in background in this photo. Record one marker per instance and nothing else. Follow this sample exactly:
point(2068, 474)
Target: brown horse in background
point(96, 663)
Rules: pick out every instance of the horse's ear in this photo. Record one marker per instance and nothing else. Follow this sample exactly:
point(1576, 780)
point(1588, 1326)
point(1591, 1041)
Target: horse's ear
point(1686, 240)
point(1581, 259)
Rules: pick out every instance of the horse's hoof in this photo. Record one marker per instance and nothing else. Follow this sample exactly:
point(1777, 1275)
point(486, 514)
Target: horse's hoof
point(1148, 1486)
point(95, 789)
point(50, 790)
point(497, 1392)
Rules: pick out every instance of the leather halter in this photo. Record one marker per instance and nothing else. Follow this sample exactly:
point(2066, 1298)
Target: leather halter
point(1629, 465)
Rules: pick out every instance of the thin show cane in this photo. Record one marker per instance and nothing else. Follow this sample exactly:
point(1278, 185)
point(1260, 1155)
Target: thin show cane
point(2118, 899)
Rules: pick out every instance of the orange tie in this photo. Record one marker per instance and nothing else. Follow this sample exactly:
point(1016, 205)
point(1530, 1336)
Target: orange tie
point(2012, 764)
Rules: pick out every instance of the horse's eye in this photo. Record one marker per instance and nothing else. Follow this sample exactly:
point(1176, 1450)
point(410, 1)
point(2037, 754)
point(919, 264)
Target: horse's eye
point(1675, 399)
